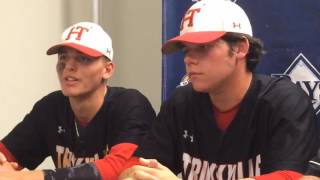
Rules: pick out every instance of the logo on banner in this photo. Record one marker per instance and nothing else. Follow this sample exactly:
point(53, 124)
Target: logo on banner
point(305, 75)
point(184, 81)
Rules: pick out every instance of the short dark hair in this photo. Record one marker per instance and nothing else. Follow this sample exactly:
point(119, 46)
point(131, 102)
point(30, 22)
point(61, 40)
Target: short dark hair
point(105, 58)
point(255, 47)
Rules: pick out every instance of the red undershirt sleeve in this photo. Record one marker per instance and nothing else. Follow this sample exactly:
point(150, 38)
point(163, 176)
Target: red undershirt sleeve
point(119, 158)
point(8, 155)
point(280, 175)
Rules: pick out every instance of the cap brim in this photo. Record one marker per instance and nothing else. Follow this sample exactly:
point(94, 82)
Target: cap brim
point(85, 50)
point(176, 43)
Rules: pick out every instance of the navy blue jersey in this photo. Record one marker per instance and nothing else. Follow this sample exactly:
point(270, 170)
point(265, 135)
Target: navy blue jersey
point(274, 129)
point(50, 129)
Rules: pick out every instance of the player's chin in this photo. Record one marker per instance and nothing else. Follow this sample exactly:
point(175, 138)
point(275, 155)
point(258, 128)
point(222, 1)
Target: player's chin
point(70, 92)
point(200, 87)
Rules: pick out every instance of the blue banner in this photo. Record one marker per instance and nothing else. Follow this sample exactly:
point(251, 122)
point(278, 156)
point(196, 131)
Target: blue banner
point(288, 28)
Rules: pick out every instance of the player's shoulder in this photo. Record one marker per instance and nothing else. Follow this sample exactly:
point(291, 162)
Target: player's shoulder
point(51, 103)
point(120, 95)
point(55, 97)
point(277, 88)
point(185, 94)
point(122, 92)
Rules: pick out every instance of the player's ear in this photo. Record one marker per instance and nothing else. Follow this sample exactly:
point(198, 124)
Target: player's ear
point(108, 69)
point(242, 48)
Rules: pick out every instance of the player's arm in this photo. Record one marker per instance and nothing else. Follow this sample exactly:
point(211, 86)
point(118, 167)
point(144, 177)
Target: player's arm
point(313, 171)
point(280, 175)
point(148, 169)
point(158, 146)
point(8, 171)
point(310, 178)
point(109, 167)
point(151, 169)
point(314, 166)
point(293, 136)
point(6, 156)
point(25, 143)
point(6, 174)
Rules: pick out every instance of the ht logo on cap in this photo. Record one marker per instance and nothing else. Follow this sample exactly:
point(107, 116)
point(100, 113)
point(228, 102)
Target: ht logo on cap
point(189, 17)
point(78, 31)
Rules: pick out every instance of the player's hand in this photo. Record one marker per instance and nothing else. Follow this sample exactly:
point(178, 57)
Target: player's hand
point(5, 163)
point(3, 158)
point(310, 178)
point(149, 169)
point(153, 163)
point(6, 167)
point(21, 175)
point(10, 176)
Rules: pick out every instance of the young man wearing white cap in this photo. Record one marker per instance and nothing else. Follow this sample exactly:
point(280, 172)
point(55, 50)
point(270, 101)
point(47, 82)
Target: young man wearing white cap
point(88, 128)
point(228, 123)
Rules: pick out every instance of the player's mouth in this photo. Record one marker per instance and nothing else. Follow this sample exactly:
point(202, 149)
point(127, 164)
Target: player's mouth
point(193, 74)
point(70, 80)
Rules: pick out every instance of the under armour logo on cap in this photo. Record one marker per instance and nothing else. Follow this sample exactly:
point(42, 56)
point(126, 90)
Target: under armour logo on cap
point(86, 37)
point(236, 25)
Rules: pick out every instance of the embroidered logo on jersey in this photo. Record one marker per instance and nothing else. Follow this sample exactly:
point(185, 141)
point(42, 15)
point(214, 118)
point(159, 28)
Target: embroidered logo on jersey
point(305, 75)
point(195, 168)
point(66, 158)
point(61, 130)
point(187, 136)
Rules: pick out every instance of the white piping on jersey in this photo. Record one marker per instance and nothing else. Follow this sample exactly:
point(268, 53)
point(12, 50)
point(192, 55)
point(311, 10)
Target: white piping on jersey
point(313, 162)
point(76, 126)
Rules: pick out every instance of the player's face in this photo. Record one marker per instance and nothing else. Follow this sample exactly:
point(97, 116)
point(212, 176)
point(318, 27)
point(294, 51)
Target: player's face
point(80, 75)
point(209, 66)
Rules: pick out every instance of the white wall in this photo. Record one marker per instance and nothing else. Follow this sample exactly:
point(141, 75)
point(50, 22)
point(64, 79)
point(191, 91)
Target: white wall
point(28, 28)
point(135, 27)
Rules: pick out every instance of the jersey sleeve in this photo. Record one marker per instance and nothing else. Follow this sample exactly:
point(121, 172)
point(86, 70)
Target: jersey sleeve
point(292, 130)
point(119, 158)
point(25, 143)
point(161, 142)
point(132, 115)
point(280, 175)
point(108, 168)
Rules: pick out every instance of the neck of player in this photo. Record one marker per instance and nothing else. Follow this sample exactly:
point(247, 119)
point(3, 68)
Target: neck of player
point(232, 91)
point(85, 108)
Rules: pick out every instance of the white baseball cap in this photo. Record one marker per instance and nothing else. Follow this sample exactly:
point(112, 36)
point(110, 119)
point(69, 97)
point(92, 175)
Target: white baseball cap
point(208, 20)
point(86, 37)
